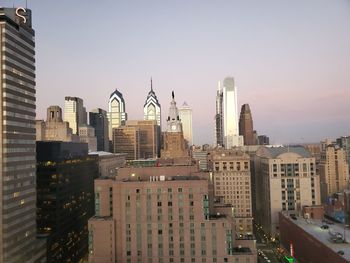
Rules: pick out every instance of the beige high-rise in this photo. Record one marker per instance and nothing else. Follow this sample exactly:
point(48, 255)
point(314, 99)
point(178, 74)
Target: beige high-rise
point(285, 179)
point(334, 170)
point(231, 173)
point(163, 214)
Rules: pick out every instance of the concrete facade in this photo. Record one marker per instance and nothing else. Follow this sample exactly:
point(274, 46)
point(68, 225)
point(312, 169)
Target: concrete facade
point(334, 170)
point(285, 179)
point(232, 182)
point(142, 218)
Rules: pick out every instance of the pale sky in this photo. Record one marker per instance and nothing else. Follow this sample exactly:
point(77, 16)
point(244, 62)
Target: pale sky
point(290, 59)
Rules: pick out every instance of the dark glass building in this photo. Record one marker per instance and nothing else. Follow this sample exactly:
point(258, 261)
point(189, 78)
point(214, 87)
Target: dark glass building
point(98, 120)
point(65, 198)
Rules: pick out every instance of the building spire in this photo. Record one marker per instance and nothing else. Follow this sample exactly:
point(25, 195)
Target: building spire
point(172, 94)
point(151, 85)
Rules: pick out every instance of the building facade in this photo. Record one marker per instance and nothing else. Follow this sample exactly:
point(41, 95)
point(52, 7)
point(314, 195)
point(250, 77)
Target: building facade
point(227, 100)
point(174, 144)
point(98, 119)
point(185, 114)
point(87, 135)
point(75, 113)
point(142, 218)
point(65, 183)
point(126, 139)
point(116, 112)
point(333, 169)
point(152, 109)
point(17, 138)
point(285, 179)
point(232, 183)
point(219, 129)
point(344, 142)
point(246, 126)
point(54, 128)
point(149, 133)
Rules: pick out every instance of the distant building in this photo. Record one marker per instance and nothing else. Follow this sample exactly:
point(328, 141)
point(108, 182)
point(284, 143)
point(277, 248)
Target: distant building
point(174, 144)
point(116, 112)
point(163, 214)
point(99, 121)
point(263, 140)
point(246, 126)
point(65, 198)
point(232, 182)
point(74, 113)
point(201, 157)
point(126, 139)
point(227, 124)
point(334, 170)
point(152, 108)
point(87, 135)
point(284, 179)
point(344, 142)
point(54, 128)
point(185, 114)
point(219, 126)
point(149, 133)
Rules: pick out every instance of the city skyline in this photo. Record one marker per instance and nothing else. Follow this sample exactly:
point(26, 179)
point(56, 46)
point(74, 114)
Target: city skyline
point(278, 53)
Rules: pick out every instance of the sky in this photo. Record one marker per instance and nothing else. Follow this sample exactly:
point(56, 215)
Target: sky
point(290, 59)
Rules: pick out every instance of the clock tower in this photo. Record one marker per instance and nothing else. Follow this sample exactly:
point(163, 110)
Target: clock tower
point(174, 144)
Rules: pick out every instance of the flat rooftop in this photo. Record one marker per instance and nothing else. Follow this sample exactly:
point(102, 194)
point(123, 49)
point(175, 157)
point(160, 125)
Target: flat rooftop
point(313, 227)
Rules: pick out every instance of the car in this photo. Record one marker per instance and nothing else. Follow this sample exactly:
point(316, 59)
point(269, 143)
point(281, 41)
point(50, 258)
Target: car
point(340, 252)
point(325, 227)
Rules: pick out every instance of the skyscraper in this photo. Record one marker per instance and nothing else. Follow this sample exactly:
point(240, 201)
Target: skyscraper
point(219, 130)
point(227, 115)
point(185, 114)
point(116, 112)
point(246, 125)
point(17, 137)
point(174, 144)
point(152, 108)
point(230, 112)
point(74, 113)
point(98, 120)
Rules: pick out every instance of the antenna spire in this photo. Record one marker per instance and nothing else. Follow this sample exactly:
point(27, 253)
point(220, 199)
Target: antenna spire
point(151, 85)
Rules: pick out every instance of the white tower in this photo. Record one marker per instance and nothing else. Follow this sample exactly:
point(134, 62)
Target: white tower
point(185, 113)
point(230, 114)
point(152, 108)
point(116, 112)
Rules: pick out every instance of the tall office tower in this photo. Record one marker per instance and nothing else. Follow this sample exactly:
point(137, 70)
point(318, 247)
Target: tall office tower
point(149, 133)
point(87, 135)
point(219, 129)
point(163, 214)
point(246, 126)
point(116, 112)
point(174, 144)
point(185, 114)
point(17, 137)
point(98, 120)
point(74, 113)
point(126, 139)
point(284, 179)
point(65, 183)
point(344, 142)
point(232, 182)
point(333, 169)
point(54, 128)
point(152, 108)
point(230, 114)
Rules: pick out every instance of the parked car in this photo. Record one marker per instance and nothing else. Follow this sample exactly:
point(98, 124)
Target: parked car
point(325, 227)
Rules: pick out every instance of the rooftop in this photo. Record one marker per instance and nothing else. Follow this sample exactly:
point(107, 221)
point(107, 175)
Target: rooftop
point(313, 228)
